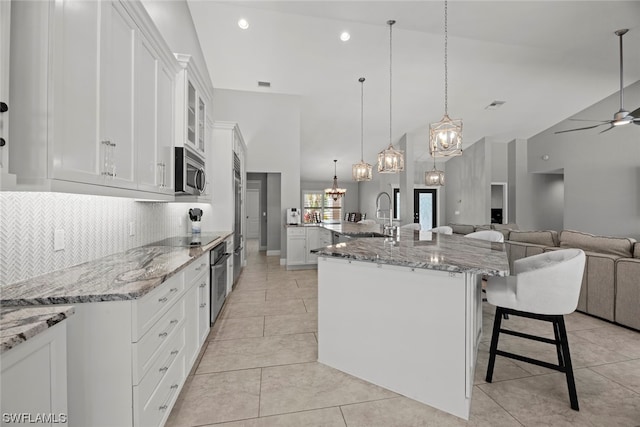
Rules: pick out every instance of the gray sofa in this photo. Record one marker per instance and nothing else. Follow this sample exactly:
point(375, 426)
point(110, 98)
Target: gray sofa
point(611, 282)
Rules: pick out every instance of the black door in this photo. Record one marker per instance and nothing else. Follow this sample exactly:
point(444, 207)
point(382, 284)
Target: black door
point(425, 207)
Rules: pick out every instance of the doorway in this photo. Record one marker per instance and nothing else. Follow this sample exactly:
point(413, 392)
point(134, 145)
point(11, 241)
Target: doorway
point(425, 207)
point(499, 203)
point(253, 213)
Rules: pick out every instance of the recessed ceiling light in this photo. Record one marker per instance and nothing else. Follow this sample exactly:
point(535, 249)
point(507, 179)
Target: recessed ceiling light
point(243, 23)
point(345, 36)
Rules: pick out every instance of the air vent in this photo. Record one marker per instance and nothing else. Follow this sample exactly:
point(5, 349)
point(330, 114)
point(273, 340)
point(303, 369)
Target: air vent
point(494, 105)
point(264, 84)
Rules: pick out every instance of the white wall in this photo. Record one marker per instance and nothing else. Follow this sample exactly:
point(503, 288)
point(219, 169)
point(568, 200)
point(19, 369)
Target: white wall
point(270, 125)
point(173, 19)
point(601, 170)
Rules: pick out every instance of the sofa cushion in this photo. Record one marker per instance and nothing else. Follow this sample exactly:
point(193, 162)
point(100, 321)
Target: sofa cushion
point(621, 246)
point(483, 227)
point(505, 229)
point(545, 237)
point(462, 228)
point(636, 250)
point(628, 292)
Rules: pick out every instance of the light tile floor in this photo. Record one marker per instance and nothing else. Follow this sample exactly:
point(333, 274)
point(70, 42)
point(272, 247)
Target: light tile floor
point(258, 369)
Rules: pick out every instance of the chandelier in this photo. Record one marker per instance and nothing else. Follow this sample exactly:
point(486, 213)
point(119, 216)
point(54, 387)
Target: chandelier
point(390, 160)
point(361, 171)
point(445, 136)
point(334, 192)
point(434, 177)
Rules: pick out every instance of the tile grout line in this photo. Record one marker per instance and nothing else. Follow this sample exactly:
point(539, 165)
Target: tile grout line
point(343, 418)
point(496, 402)
point(614, 381)
point(260, 392)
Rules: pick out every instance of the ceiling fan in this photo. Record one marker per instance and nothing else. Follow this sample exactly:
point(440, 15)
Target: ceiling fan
point(622, 117)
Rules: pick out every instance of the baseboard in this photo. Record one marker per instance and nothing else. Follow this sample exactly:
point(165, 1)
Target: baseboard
point(273, 252)
point(283, 261)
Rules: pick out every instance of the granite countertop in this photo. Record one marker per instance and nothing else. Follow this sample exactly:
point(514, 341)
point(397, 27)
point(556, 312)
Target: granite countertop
point(18, 324)
point(423, 249)
point(124, 276)
point(347, 228)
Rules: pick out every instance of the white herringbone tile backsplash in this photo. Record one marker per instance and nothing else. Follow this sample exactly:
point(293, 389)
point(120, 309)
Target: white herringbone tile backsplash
point(94, 227)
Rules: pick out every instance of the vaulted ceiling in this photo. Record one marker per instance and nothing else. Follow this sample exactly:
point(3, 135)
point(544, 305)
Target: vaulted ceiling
point(547, 60)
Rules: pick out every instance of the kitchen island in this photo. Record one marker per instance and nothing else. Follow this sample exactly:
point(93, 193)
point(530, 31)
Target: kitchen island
point(405, 313)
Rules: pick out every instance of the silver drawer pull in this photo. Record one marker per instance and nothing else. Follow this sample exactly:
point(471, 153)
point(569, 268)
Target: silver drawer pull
point(203, 305)
point(172, 357)
point(165, 333)
point(201, 266)
point(202, 285)
point(166, 297)
point(165, 405)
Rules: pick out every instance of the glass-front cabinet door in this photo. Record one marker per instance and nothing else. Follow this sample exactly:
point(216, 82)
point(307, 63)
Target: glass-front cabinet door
point(201, 120)
point(191, 115)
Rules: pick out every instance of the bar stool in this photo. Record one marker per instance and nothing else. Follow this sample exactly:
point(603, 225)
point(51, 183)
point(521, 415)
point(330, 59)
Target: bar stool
point(545, 287)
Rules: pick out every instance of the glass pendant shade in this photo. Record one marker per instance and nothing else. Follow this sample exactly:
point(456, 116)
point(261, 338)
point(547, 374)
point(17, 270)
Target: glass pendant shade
point(362, 171)
point(445, 137)
point(335, 192)
point(434, 177)
point(390, 160)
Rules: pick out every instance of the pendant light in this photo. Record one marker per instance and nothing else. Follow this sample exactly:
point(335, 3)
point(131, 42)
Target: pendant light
point(362, 171)
point(445, 136)
point(390, 160)
point(334, 192)
point(434, 177)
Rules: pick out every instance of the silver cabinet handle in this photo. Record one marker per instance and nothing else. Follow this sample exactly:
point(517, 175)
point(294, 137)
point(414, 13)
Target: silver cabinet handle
point(172, 356)
point(166, 297)
point(171, 325)
point(204, 264)
point(202, 285)
point(163, 299)
point(203, 305)
point(165, 405)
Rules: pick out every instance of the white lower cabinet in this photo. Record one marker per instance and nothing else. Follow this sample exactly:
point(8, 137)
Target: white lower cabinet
point(34, 378)
point(300, 242)
point(129, 359)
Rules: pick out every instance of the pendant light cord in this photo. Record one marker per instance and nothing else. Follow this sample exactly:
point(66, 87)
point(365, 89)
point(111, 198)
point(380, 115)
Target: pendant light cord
point(446, 42)
point(391, 22)
point(361, 80)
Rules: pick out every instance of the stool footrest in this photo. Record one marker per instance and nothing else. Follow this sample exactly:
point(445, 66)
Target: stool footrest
point(528, 336)
point(530, 360)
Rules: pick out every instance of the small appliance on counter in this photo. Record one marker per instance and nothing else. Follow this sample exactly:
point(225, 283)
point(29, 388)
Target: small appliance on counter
point(293, 216)
point(195, 215)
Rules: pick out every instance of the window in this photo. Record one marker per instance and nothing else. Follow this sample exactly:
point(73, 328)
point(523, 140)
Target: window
point(318, 207)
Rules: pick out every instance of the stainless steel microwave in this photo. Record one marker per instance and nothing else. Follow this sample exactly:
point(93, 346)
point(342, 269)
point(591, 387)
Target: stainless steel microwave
point(190, 172)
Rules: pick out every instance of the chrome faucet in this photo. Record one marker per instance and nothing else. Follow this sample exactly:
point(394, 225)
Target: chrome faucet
point(387, 228)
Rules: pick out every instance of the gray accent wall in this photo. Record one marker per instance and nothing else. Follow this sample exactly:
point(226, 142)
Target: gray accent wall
point(468, 186)
point(601, 170)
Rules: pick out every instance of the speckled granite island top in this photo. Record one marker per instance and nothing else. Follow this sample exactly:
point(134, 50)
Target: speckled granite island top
point(423, 249)
point(123, 276)
point(18, 324)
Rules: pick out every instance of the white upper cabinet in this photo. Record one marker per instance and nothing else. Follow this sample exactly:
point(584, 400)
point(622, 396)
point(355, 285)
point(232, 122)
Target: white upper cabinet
point(7, 181)
point(193, 99)
point(96, 111)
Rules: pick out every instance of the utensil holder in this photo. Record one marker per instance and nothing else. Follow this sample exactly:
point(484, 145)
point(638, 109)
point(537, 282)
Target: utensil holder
point(195, 227)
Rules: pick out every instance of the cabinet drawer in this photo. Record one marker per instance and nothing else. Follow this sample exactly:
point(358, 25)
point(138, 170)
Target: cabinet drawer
point(196, 269)
point(164, 360)
point(148, 309)
point(166, 327)
point(297, 231)
point(155, 410)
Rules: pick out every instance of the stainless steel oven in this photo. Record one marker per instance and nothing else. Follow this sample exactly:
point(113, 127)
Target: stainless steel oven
point(190, 172)
point(218, 261)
